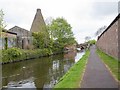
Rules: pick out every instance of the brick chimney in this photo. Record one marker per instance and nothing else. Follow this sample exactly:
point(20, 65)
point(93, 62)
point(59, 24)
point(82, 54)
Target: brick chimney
point(38, 24)
point(38, 10)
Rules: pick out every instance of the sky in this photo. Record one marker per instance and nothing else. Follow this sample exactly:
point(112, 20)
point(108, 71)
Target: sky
point(85, 16)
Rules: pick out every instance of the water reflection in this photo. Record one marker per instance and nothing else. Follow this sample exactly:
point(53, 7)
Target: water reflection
point(28, 83)
point(79, 55)
point(38, 73)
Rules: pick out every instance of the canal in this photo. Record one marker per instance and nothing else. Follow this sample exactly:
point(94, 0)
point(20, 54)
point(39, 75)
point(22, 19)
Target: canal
point(38, 73)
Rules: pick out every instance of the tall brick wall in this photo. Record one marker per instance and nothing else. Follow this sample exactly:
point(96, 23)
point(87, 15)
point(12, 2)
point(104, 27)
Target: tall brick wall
point(119, 39)
point(109, 41)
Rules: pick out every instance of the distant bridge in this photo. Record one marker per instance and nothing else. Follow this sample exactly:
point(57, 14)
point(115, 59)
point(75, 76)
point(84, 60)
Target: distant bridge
point(82, 46)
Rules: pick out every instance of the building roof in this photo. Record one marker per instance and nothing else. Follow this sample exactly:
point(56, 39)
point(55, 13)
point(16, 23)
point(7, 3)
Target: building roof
point(18, 27)
point(110, 25)
point(4, 30)
point(20, 31)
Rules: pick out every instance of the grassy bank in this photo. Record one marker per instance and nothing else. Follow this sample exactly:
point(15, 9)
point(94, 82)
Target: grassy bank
point(73, 77)
point(111, 63)
point(16, 54)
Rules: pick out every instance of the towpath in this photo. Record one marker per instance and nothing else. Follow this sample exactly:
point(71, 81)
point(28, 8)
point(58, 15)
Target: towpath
point(96, 74)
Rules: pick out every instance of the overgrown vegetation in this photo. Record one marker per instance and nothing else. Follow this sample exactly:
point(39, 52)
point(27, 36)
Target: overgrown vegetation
point(40, 40)
point(11, 54)
point(111, 62)
point(91, 42)
point(50, 41)
point(6, 43)
point(58, 35)
point(16, 54)
point(2, 23)
point(61, 32)
point(2, 27)
point(73, 77)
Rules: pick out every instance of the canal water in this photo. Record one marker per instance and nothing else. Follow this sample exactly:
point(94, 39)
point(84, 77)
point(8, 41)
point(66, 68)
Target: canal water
point(38, 73)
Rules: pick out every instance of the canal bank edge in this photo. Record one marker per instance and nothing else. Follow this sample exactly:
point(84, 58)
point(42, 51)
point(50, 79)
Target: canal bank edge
point(74, 76)
point(23, 55)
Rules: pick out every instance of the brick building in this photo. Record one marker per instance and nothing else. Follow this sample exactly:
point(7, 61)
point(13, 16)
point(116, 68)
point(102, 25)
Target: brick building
point(23, 37)
point(11, 39)
point(109, 40)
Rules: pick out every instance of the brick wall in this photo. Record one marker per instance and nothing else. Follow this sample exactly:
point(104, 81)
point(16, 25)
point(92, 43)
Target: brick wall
point(24, 38)
point(119, 39)
point(109, 41)
point(38, 24)
point(11, 39)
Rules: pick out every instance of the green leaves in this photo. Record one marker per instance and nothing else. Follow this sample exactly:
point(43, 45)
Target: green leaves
point(16, 54)
point(40, 40)
point(1, 19)
point(91, 42)
point(11, 54)
point(60, 31)
point(2, 23)
point(61, 28)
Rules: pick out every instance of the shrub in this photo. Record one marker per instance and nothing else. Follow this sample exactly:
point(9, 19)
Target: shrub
point(91, 42)
point(11, 54)
point(16, 54)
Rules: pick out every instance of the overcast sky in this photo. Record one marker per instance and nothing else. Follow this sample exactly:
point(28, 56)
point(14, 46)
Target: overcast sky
point(85, 16)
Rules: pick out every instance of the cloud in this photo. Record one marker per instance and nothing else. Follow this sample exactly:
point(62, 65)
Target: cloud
point(102, 9)
point(85, 16)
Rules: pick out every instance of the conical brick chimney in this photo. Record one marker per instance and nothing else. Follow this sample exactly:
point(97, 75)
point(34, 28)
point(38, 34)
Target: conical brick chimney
point(38, 24)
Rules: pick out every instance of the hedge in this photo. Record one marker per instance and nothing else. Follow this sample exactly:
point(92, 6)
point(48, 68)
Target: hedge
point(16, 54)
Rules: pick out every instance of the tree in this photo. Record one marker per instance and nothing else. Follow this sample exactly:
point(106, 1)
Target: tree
point(1, 19)
point(87, 38)
point(2, 23)
point(2, 26)
point(39, 40)
point(49, 20)
point(60, 31)
point(91, 42)
point(42, 39)
point(100, 30)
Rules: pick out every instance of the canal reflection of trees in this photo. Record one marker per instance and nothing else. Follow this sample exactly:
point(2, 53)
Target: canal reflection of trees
point(46, 71)
point(70, 55)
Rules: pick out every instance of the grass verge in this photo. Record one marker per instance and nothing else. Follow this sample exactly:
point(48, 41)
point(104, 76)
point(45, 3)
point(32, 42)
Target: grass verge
point(111, 63)
point(73, 77)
